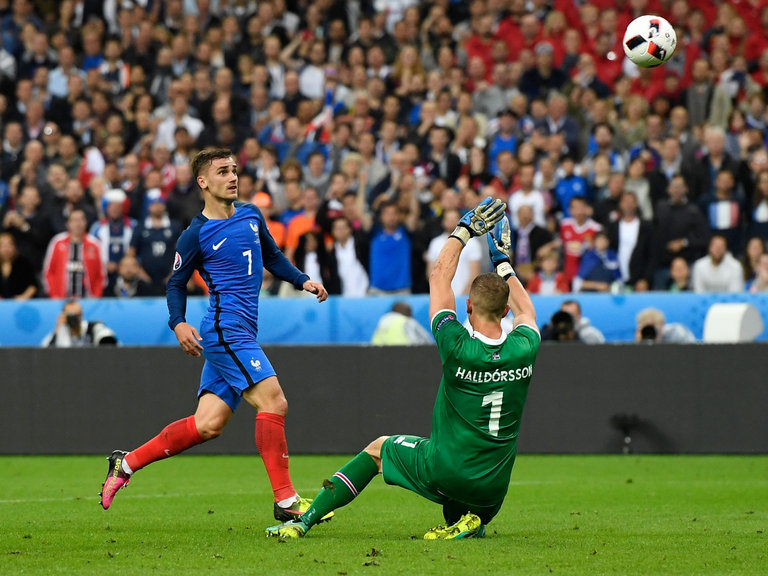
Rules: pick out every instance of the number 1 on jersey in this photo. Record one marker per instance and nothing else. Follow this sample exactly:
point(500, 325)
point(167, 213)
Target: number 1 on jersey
point(495, 400)
point(250, 261)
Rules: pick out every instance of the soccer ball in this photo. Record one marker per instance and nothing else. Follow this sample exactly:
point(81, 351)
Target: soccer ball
point(649, 41)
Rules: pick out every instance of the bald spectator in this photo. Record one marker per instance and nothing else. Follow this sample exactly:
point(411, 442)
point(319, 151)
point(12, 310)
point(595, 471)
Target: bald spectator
point(718, 271)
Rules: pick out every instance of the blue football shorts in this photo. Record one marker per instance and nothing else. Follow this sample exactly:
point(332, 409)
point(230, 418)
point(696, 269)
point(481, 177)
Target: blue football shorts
point(234, 361)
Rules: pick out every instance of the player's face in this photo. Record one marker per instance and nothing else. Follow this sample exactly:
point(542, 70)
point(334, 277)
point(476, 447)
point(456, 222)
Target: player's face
point(220, 180)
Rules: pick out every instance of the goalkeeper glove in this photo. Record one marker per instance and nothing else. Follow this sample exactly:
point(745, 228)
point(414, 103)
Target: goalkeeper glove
point(478, 221)
point(500, 249)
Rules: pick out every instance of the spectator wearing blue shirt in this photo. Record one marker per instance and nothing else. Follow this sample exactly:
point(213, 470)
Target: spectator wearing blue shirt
point(569, 184)
point(505, 140)
point(390, 254)
point(599, 267)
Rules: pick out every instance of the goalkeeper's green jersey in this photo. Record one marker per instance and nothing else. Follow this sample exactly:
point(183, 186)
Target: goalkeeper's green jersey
point(479, 405)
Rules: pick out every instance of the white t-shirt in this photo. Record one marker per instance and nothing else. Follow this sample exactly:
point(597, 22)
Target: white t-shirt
point(628, 232)
point(534, 199)
point(472, 252)
point(354, 278)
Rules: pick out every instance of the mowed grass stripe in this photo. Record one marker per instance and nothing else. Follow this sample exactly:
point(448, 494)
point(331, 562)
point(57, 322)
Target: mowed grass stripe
point(563, 515)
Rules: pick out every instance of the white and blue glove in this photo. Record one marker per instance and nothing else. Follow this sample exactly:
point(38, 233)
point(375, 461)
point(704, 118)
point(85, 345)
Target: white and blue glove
point(480, 220)
point(500, 249)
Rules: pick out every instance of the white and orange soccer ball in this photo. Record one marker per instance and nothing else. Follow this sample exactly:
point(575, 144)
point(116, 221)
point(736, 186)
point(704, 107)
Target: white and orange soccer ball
point(649, 41)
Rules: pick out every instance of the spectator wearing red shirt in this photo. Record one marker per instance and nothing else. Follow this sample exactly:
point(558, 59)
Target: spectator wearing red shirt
point(73, 266)
point(576, 234)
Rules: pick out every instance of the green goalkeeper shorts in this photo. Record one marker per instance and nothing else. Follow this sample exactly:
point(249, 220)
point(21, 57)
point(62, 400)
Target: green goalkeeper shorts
point(405, 463)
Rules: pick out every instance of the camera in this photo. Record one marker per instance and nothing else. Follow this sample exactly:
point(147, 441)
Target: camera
point(648, 332)
point(73, 321)
point(102, 335)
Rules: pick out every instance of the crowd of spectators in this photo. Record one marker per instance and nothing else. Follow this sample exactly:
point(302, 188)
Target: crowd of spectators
point(364, 129)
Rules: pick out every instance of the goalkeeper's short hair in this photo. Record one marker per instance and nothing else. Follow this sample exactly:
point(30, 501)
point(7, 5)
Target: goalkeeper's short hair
point(489, 294)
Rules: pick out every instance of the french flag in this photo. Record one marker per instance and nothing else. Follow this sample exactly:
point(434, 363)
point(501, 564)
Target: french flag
point(723, 214)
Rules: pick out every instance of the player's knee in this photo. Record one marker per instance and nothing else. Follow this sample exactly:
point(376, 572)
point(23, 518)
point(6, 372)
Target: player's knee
point(374, 448)
point(276, 404)
point(211, 428)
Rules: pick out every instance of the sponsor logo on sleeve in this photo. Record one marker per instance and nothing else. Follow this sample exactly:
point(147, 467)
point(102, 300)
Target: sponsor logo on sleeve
point(443, 320)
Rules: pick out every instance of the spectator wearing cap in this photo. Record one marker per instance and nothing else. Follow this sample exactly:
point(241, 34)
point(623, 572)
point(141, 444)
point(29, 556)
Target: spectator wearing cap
point(114, 231)
point(154, 241)
point(544, 77)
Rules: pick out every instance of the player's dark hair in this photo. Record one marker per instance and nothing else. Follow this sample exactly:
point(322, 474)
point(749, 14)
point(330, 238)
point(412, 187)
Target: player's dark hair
point(203, 159)
point(489, 294)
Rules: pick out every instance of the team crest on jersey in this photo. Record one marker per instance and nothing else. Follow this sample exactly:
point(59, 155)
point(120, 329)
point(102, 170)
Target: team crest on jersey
point(256, 364)
point(255, 228)
point(177, 262)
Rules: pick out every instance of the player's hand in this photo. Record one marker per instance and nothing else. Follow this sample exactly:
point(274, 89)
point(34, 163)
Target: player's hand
point(480, 220)
point(500, 248)
point(188, 338)
point(317, 289)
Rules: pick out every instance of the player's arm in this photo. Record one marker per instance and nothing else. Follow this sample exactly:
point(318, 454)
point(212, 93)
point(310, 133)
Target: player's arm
point(499, 247)
point(282, 268)
point(474, 223)
point(188, 255)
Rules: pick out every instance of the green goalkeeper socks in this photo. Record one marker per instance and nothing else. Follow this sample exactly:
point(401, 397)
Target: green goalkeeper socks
point(342, 488)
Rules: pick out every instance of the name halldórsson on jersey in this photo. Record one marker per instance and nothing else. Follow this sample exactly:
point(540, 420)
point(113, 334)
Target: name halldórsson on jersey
point(481, 376)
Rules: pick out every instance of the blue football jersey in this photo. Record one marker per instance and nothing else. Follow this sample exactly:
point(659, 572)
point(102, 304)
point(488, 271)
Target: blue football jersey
point(229, 255)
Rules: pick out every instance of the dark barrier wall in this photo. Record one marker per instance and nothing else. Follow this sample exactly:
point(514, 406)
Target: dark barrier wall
point(687, 399)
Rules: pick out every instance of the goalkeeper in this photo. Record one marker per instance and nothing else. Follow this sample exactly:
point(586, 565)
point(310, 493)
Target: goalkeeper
point(466, 463)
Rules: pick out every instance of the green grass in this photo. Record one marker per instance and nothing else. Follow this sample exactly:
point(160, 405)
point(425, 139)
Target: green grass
point(563, 515)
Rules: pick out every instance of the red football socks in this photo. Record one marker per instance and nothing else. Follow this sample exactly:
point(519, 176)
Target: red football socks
point(174, 438)
point(271, 444)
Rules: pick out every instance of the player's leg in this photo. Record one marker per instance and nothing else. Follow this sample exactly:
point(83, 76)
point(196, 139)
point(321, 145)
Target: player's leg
point(269, 400)
point(211, 416)
point(340, 490)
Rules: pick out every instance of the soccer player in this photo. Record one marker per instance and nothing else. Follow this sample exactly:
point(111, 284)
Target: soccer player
point(228, 243)
point(466, 463)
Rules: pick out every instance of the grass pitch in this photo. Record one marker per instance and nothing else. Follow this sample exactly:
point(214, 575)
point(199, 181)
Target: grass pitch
point(563, 515)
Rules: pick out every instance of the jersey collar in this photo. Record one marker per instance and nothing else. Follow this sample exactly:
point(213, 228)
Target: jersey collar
point(490, 341)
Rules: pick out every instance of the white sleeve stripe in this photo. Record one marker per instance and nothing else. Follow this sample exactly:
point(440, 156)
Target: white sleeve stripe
point(432, 321)
point(534, 328)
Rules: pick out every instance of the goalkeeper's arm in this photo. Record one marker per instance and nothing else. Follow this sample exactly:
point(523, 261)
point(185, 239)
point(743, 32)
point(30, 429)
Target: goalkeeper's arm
point(500, 251)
